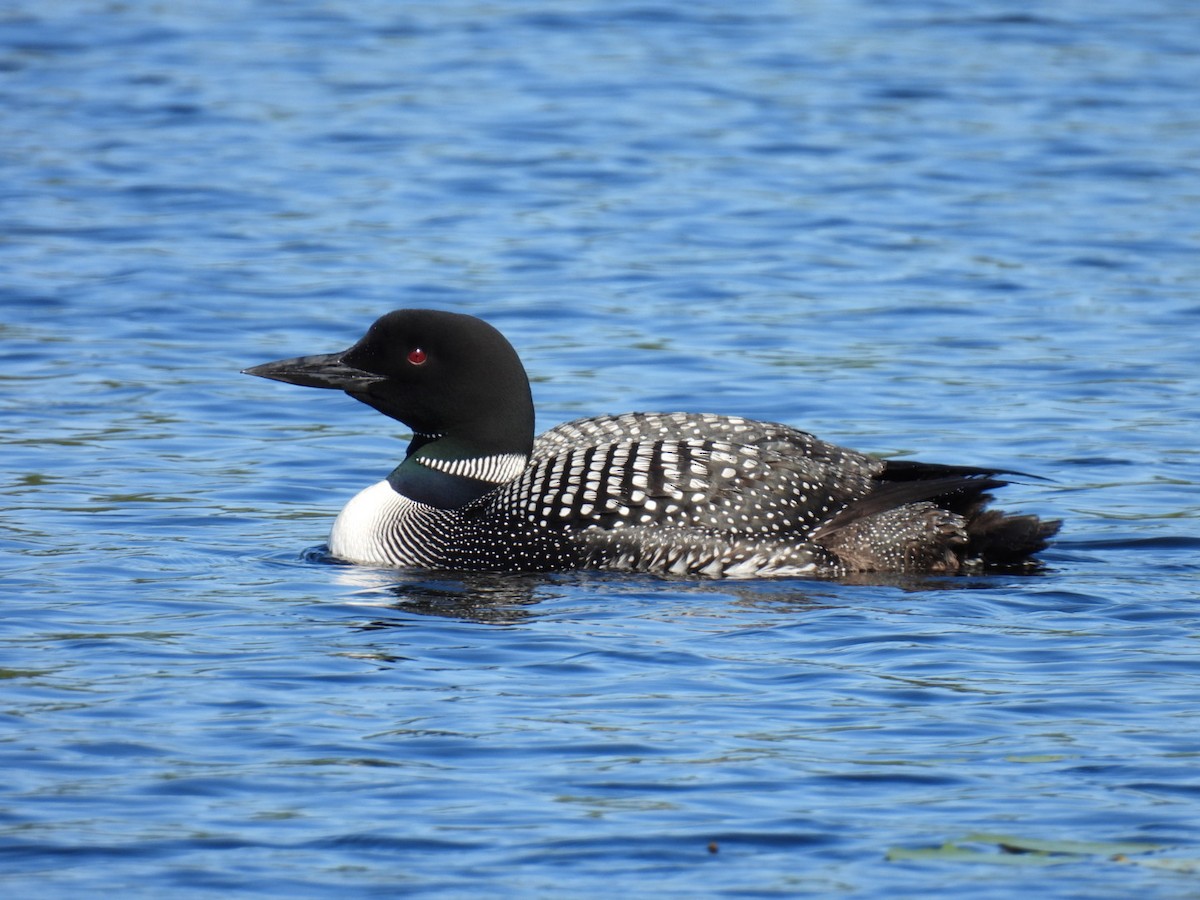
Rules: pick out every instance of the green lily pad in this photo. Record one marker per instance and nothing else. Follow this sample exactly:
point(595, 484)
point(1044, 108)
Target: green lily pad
point(1073, 848)
point(1003, 849)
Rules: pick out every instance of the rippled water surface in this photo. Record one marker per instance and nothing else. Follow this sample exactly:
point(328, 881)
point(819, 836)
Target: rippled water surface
point(960, 232)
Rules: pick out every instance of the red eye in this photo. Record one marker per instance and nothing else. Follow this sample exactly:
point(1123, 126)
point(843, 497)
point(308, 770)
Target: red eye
point(417, 356)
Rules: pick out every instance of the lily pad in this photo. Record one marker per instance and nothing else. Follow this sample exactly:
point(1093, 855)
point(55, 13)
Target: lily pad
point(1003, 849)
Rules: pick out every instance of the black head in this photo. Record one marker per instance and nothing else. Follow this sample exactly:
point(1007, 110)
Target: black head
point(440, 373)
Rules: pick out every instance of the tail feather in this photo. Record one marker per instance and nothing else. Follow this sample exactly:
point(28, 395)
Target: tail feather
point(996, 539)
point(932, 518)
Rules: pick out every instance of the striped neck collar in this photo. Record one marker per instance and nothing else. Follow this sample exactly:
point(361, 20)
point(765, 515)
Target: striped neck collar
point(496, 469)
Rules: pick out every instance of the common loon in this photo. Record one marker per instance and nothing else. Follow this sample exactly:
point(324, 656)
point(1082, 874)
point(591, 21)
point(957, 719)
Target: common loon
point(664, 493)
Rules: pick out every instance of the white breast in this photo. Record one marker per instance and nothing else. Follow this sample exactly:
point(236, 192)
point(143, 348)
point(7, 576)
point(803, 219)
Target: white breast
point(383, 528)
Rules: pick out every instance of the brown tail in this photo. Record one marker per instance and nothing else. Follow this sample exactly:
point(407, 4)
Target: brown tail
point(1000, 541)
point(932, 518)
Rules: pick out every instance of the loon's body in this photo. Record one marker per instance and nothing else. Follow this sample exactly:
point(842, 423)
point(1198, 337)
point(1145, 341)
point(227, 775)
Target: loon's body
point(674, 493)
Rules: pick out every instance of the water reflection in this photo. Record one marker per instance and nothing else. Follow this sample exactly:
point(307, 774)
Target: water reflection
point(511, 599)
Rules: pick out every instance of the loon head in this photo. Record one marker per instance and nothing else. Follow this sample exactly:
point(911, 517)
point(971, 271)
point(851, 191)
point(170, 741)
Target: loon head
point(447, 376)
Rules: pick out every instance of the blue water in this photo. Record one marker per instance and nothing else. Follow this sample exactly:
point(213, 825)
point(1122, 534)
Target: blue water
point(965, 233)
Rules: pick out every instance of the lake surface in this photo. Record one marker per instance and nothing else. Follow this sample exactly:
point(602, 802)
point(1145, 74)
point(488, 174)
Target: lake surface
point(966, 233)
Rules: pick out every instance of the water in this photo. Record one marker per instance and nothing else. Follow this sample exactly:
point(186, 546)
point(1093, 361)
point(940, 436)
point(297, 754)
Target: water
point(962, 234)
